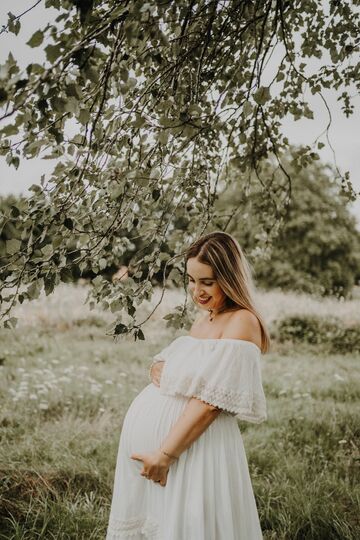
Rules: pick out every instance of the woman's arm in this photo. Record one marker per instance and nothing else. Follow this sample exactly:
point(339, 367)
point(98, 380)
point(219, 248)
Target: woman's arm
point(195, 419)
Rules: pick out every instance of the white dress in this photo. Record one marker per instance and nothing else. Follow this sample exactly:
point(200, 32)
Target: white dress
point(208, 493)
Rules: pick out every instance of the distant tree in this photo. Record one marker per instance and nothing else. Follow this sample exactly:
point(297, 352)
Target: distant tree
point(143, 104)
point(317, 247)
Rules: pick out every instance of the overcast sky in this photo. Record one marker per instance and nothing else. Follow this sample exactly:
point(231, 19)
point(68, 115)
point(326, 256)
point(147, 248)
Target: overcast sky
point(344, 132)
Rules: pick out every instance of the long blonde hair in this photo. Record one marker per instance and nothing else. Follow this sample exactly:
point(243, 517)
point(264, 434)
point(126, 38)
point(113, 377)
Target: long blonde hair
point(223, 253)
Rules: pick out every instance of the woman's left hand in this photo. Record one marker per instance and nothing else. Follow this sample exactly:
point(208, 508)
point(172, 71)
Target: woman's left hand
point(156, 371)
point(156, 466)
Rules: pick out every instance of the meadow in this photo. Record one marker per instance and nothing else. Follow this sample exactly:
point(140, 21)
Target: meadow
point(65, 387)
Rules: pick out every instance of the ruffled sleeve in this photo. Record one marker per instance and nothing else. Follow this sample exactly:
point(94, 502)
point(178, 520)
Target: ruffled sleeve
point(225, 373)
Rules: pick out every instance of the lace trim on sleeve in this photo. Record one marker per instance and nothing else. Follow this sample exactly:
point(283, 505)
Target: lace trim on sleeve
point(247, 406)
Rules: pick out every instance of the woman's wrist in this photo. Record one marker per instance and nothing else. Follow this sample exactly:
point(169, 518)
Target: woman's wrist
point(170, 458)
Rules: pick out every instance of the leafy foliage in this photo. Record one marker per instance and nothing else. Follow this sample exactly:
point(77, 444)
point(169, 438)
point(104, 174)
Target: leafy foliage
point(317, 247)
point(316, 330)
point(142, 105)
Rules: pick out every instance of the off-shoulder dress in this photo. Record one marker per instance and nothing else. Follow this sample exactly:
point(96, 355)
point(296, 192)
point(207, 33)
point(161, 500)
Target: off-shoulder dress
point(208, 494)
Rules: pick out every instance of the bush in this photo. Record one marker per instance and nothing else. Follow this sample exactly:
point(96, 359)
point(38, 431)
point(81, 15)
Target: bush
point(330, 332)
point(346, 341)
point(305, 328)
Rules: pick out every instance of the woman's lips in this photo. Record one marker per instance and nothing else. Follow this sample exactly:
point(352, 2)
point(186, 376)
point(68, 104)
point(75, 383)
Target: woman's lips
point(204, 301)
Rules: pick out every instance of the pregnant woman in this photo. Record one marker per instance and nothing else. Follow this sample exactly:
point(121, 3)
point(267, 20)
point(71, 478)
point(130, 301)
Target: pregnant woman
point(181, 471)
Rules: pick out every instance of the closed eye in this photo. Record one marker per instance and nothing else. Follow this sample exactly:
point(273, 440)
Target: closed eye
point(206, 284)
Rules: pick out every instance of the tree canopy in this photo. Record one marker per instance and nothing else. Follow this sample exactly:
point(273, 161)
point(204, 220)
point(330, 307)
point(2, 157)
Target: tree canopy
point(143, 104)
point(317, 250)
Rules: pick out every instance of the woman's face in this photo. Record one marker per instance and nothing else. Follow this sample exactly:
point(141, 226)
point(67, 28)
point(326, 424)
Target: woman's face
point(202, 284)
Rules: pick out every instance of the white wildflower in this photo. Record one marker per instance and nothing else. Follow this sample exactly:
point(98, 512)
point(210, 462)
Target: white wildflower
point(43, 406)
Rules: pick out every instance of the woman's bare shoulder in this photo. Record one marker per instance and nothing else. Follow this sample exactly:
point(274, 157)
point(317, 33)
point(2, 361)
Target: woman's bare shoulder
point(243, 324)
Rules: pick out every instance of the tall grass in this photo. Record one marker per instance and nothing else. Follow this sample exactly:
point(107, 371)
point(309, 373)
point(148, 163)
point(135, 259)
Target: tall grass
point(64, 390)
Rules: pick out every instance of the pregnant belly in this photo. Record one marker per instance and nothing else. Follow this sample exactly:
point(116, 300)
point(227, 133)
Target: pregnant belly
point(149, 419)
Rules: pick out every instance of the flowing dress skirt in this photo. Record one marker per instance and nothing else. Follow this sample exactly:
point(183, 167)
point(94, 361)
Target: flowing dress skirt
point(208, 494)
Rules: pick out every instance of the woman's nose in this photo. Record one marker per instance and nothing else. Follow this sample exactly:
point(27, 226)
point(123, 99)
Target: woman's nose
point(197, 290)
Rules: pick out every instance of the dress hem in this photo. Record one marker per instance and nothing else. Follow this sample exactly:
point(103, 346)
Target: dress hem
point(121, 529)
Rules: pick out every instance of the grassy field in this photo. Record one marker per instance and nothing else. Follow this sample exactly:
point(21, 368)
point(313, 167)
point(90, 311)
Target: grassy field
point(65, 387)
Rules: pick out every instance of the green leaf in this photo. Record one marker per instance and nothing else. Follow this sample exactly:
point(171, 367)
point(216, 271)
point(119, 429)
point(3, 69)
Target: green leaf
point(33, 291)
point(102, 263)
point(58, 104)
point(97, 281)
point(15, 161)
point(139, 121)
point(247, 108)
point(116, 306)
point(262, 95)
point(12, 246)
point(36, 39)
point(15, 212)
point(242, 138)
point(163, 136)
point(120, 329)
point(140, 334)
point(11, 322)
point(68, 223)
point(10, 130)
point(52, 52)
point(71, 105)
point(47, 250)
point(49, 284)
point(84, 116)
point(308, 113)
point(3, 95)
point(66, 275)
point(124, 74)
point(14, 24)
point(194, 109)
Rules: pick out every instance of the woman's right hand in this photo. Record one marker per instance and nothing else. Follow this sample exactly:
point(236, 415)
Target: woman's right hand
point(155, 373)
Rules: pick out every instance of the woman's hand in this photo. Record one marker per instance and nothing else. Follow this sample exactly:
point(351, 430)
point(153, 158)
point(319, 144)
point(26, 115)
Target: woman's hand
point(156, 466)
point(156, 371)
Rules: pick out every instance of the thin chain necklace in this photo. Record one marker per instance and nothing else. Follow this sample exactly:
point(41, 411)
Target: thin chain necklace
point(212, 314)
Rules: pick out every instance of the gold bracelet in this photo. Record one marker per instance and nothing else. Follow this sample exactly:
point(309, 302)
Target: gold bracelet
point(169, 455)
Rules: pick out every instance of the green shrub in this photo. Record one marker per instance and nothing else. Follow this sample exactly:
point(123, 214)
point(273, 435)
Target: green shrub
point(347, 340)
point(314, 330)
point(308, 328)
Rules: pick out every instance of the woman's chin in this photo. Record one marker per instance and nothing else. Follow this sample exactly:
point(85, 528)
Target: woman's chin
point(206, 306)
